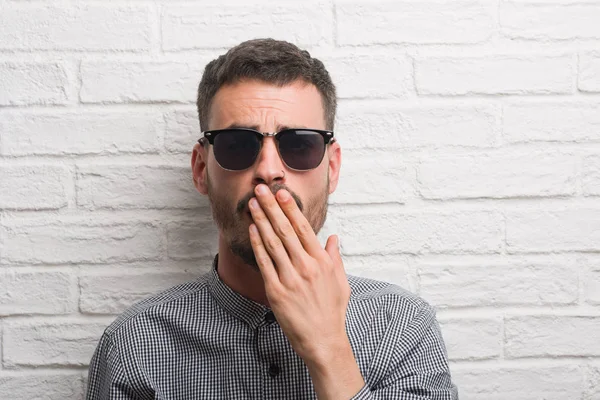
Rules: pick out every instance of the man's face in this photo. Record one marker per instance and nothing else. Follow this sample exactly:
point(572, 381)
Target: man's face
point(266, 108)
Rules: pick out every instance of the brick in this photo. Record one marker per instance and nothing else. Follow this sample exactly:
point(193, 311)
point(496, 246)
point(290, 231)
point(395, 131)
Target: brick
point(47, 386)
point(34, 187)
point(365, 173)
point(553, 230)
point(83, 132)
point(368, 23)
point(498, 175)
point(346, 71)
point(562, 2)
point(592, 382)
point(492, 284)
point(36, 292)
point(472, 339)
point(366, 231)
point(85, 380)
point(494, 75)
point(392, 268)
point(549, 21)
point(182, 130)
point(135, 82)
point(518, 383)
point(551, 336)
point(391, 126)
point(226, 25)
point(192, 240)
point(41, 343)
point(589, 72)
point(591, 281)
point(75, 27)
point(360, 126)
point(591, 175)
point(551, 122)
point(137, 186)
point(113, 293)
point(27, 83)
point(69, 239)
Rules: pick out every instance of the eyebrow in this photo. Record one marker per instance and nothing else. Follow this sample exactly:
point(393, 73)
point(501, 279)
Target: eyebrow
point(280, 128)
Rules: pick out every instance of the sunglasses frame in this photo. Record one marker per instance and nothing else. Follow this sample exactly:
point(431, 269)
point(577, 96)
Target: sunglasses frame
point(210, 135)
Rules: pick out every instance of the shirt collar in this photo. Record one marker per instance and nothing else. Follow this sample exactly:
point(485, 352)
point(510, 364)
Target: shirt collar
point(241, 307)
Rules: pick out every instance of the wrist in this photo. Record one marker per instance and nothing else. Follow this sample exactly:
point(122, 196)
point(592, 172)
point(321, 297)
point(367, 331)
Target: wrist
point(330, 356)
point(335, 373)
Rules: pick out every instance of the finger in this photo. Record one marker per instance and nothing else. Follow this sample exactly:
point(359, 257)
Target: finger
point(271, 242)
point(280, 223)
point(304, 231)
point(265, 264)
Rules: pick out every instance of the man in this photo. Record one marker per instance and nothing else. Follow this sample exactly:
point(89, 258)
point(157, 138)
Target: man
point(277, 317)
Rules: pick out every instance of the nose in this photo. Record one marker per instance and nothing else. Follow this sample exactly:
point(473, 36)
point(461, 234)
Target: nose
point(269, 168)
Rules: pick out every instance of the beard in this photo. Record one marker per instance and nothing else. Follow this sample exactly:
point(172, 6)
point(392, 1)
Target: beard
point(230, 218)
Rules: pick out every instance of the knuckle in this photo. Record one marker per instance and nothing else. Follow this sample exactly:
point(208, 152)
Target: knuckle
point(273, 245)
point(263, 259)
point(258, 216)
point(284, 231)
point(308, 272)
point(291, 207)
point(293, 285)
point(304, 229)
point(276, 292)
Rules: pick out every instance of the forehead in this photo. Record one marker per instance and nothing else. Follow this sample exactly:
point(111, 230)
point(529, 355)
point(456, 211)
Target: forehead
point(253, 102)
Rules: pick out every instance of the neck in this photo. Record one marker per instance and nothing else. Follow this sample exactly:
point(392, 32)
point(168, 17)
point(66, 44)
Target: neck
point(240, 277)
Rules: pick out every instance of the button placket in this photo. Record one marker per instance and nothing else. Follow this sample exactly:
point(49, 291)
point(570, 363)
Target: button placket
point(274, 370)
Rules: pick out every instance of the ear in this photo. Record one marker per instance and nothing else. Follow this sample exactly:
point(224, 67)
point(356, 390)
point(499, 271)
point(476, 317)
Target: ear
point(334, 152)
point(199, 161)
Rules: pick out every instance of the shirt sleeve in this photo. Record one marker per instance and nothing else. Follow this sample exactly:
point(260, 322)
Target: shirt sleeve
point(106, 376)
point(419, 369)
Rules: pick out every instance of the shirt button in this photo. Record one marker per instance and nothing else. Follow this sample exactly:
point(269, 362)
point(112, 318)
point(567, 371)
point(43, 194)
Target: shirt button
point(273, 370)
point(270, 317)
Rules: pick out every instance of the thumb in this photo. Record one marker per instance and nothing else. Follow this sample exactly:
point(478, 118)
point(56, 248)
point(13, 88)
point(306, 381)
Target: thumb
point(333, 248)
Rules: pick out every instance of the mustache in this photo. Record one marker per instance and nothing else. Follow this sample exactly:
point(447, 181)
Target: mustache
point(243, 203)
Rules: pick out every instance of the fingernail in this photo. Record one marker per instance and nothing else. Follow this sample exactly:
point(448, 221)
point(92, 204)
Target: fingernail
point(262, 189)
point(252, 203)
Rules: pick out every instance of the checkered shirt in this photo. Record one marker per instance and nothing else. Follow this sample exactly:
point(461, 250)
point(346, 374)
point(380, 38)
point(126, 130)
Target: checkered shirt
point(202, 340)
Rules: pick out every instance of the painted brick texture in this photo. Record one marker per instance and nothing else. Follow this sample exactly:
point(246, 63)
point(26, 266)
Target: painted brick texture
point(470, 134)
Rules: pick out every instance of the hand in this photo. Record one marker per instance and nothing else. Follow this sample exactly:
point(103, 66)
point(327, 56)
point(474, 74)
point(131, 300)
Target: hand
point(305, 284)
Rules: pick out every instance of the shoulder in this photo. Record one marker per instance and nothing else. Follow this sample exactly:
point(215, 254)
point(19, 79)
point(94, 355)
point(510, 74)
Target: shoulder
point(181, 297)
point(398, 303)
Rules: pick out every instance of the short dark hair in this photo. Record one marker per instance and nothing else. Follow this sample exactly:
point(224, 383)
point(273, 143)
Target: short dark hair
point(271, 61)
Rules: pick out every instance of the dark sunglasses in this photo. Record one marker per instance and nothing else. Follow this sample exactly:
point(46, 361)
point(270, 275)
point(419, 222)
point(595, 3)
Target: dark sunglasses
point(300, 149)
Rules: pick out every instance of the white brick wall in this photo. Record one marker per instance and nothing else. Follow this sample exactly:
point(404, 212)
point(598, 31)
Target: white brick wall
point(452, 76)
point(471, 145)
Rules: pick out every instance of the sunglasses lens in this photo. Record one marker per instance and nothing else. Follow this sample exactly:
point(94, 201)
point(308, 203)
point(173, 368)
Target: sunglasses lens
point(301, 149)
point(236, 149)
